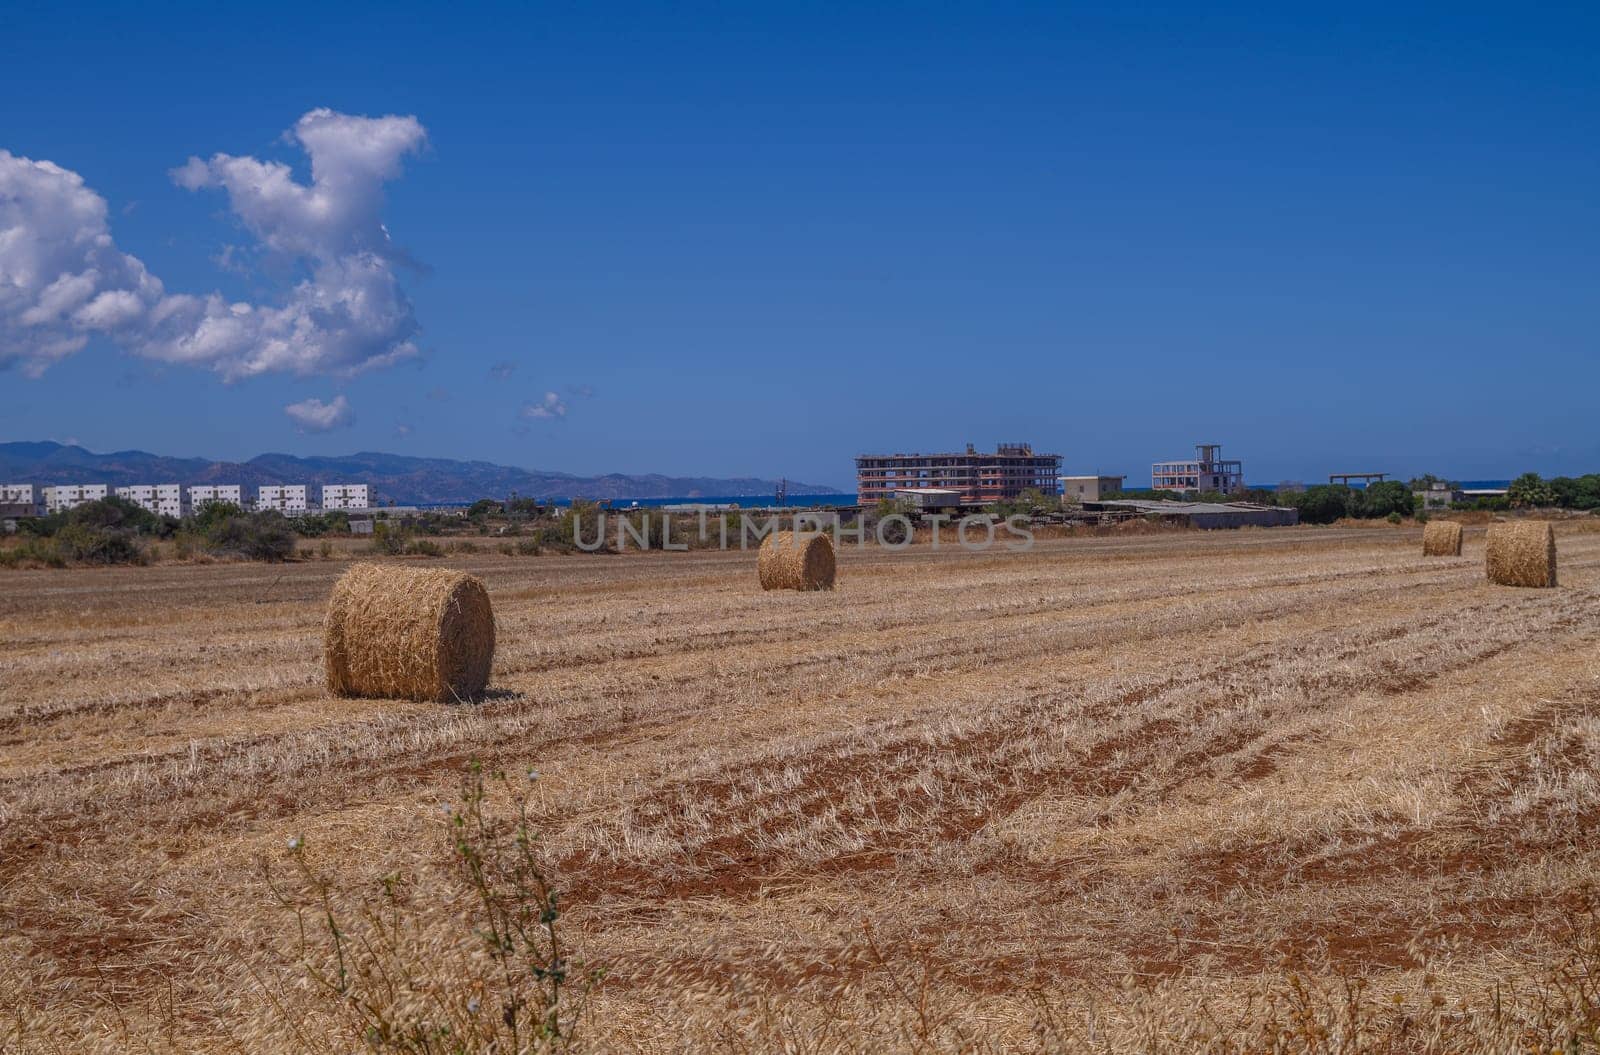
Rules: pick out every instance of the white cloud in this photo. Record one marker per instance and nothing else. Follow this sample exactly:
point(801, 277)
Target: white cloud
point(313, 415)
point(62, 279)
point(551, 407)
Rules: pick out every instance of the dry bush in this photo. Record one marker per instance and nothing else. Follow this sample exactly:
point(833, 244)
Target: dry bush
point(387, 971)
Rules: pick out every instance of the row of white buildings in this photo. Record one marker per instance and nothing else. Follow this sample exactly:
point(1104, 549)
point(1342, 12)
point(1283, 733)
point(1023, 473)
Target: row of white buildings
point(168, 499)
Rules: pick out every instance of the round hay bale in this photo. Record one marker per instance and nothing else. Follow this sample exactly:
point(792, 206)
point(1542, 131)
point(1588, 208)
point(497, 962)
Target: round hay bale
point(796, 561)
point(413, 633)
point(1521, 553)
point(1441, 538)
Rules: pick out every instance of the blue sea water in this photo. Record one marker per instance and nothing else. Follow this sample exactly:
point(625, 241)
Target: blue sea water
point(849, 499)
point(743, 501)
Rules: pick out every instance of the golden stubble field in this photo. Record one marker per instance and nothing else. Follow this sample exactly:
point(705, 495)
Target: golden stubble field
point(1179, 762)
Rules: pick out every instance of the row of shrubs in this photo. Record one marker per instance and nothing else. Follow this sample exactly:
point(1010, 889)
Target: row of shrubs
point(116, 531)
point(1392, 499)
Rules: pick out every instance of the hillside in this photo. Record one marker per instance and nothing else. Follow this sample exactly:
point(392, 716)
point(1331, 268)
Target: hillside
point(396, 477)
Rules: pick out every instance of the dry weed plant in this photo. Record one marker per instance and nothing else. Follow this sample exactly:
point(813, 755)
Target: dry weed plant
point(382, 977)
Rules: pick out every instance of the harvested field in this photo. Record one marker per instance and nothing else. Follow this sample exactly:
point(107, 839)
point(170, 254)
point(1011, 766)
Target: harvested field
point(1184, 760)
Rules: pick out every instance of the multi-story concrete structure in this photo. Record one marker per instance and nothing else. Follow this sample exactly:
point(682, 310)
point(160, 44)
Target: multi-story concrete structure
point(65, 496)
point(285, 498)
point(346, 496)
point(1205, 472)
point(16, 495)
point(980, 478)
point(1081, 489)
point(202, 495)
point(16, 502)
point(161, 499)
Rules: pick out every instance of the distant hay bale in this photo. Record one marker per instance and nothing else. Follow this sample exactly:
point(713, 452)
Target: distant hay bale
point(790, 561)
point(1441, 538)
point(1522, 553)
point(413, 633)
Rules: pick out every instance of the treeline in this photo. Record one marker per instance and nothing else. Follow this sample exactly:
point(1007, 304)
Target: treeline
point(114, 530)
point(1318, 504)
point(1532, 491)
point(1393, 500)
point(1325, 503)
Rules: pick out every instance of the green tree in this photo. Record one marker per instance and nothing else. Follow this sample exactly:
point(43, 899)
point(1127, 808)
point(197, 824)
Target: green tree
point(1529, 491)
point(208, 516)
point(1385, 498)
point(1586, 493)
point(115, 513)
point(1322, 503)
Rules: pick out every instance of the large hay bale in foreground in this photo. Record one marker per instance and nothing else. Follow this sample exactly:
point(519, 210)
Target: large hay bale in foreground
point(1521, 553)
point(791, 561)
point(1441, 538)
point(415, 633)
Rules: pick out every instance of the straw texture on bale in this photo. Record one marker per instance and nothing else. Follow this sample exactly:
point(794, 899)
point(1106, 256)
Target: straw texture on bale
point(790, 561)
point(413, 633)
point(1441, 538)
point(1522, 553)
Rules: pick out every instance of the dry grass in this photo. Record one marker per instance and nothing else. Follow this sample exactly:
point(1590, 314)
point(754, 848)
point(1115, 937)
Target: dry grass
point(1105, 785)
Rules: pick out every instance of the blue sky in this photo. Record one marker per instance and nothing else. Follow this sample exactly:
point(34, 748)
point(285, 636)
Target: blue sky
point(761, 239)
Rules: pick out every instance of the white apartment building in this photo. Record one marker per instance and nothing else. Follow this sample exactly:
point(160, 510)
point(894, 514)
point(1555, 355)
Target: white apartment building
point(65, 496)
point(203, 495)
point(16, 495)
point(346, 496)
point(285, 498)
point(161, 499)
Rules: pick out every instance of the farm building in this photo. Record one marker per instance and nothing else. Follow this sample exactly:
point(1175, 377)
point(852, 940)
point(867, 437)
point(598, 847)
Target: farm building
point(979, 478)
point(1206, 515)
point(1438, 496)
point(1079, 489)
point(929, 497)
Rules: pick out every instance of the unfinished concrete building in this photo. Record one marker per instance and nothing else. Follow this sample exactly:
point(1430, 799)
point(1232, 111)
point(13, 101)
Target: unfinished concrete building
point(1206, 471)
point(980, 478)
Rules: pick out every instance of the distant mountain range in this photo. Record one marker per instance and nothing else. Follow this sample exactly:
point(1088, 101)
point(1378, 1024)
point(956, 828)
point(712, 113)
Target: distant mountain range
point(402, 479)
